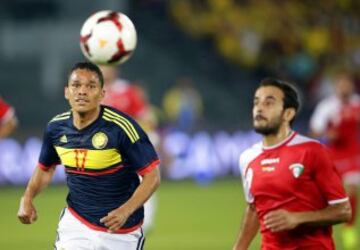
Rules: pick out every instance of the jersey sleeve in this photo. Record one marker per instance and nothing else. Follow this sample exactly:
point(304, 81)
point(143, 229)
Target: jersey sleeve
point(48, 156)
point(319, 120)
point(138, 103)
point(246, 177)
point(327, 177)
point(6, 111)
point(140, 155)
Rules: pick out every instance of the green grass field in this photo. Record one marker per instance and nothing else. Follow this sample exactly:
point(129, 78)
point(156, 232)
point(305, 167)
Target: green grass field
point(188, 217)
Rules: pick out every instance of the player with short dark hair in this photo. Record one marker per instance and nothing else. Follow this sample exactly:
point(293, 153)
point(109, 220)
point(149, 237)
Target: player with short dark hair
point(91, 67)
point(104, 152)
point(293, 191)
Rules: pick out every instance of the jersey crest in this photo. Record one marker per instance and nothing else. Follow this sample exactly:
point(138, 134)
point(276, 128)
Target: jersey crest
point(297, 169)
point(99, 140)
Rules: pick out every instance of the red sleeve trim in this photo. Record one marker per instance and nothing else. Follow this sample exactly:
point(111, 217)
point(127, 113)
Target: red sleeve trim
point(148, 168)
point(46, 168)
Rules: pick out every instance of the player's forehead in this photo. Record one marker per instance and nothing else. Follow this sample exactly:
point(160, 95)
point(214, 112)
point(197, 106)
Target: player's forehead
point(269, 92)
point(84, 76)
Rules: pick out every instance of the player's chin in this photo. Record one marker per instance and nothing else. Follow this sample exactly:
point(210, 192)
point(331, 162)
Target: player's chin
point(261, 124)
point(81, 108)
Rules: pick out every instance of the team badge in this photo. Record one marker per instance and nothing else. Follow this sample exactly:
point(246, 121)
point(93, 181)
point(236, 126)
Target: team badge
point(99, 140)
point(297, 169)
point(63, 139)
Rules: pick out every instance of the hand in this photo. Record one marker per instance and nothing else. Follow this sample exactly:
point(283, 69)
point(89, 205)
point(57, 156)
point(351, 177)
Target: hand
point(280, 220)
point(27, 213)
point(115, 219)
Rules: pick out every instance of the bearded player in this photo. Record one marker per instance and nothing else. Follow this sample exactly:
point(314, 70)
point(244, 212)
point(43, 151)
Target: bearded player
point(292, 188)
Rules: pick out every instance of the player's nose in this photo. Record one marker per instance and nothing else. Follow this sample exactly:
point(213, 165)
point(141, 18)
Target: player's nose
point(83, 90)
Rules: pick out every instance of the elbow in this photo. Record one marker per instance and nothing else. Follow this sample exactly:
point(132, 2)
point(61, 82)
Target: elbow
point(348, 215)
point(157, 181)
point(345, 213)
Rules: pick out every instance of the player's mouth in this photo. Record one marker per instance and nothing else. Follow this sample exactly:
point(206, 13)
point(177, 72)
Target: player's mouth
point(260, 118)
point(81, 101)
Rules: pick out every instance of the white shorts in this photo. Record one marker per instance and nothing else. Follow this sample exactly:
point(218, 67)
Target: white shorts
point(74, 235)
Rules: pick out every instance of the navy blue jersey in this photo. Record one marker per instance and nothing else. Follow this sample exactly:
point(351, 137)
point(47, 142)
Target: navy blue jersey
point(102, 161)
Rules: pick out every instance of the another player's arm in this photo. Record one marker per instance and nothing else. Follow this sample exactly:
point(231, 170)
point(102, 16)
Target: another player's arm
point(280, 220)
point(248, 229)
point(39, 180)
point(116, 218)
point(8, 127)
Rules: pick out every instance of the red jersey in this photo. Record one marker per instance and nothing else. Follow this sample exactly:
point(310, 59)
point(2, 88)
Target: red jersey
point(126, 98)
point(344, 120)
point(6, 111)
point(295, 175)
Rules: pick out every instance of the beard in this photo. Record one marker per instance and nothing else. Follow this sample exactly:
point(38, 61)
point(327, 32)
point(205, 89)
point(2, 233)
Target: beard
point(271, 128)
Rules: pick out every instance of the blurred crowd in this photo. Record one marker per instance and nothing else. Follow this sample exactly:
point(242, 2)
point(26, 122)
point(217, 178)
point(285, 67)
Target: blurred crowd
point(294, 39)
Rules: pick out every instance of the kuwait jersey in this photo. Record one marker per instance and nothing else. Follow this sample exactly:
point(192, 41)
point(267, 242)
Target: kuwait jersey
point(295, 175)
point(344, 119)
point(6, 111)
point(126, 98)
point(102, 161)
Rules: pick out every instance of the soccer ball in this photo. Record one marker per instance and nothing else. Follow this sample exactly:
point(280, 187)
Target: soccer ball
point(108, 37)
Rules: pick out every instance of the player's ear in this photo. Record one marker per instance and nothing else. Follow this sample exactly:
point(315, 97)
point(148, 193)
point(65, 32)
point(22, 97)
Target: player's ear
point(66, 92)
point(102, 95)
point(289, 114)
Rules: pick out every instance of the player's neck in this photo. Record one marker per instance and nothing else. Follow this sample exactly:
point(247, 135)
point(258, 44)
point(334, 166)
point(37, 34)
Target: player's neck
point(83, 119)
point(280, 136)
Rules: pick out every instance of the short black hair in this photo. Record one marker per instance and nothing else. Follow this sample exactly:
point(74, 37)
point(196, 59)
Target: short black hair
point(291, 94)
point(91, 67)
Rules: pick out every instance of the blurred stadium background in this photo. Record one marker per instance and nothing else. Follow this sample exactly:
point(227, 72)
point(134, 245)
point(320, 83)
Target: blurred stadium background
point(219, 48)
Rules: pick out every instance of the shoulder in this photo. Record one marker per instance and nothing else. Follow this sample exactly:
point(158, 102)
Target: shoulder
point(6, 111)
point(3, 104)
point(306, 142)
point(122, 122)
point(59, 119)
point(55, 123)
point(249, 155)
point(328, 104)
point(113, 113)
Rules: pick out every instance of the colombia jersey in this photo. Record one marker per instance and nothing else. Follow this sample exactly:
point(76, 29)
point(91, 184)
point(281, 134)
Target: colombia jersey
point(295, 175)
point(102, 161)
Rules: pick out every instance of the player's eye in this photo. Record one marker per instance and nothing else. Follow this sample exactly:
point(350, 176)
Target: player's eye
point(269, 102)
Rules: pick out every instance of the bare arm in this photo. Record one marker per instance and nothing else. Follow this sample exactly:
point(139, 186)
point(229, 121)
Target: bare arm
point(116, 218)
point(249, 228)
point(8, 127)
point(39, 180)
point(280, 220)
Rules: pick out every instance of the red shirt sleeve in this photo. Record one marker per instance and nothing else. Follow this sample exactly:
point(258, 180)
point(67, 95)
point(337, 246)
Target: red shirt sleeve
point(138, 103)
point(327, 177)
point(4, 109)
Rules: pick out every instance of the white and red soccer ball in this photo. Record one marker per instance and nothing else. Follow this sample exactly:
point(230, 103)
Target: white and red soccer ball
point(108, 37)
